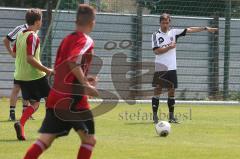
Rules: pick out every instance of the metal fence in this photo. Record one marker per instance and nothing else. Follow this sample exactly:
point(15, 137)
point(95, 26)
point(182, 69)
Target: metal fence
point(200, 56)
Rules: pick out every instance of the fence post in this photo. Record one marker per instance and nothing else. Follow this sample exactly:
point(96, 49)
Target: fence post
point(47, 52)
point(137, 52)
point(98, 5)
point(214, 61)
point(227, 49)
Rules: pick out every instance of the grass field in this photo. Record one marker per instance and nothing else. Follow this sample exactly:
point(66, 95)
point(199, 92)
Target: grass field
point(206, 132)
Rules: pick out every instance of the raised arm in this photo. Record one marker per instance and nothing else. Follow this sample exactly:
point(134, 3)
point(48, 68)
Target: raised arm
point(200, 29)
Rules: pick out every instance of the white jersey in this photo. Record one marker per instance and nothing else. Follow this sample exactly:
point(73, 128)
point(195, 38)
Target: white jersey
point(166, 61)
point(12, 36)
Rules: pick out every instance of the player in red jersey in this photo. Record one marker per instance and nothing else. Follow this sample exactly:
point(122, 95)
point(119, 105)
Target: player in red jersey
point(73, 59)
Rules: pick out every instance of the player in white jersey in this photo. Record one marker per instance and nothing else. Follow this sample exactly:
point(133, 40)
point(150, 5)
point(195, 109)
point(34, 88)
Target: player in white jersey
point(165, 76)
point(11, 37)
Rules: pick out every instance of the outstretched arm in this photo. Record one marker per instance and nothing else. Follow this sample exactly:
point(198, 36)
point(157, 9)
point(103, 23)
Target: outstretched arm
point(200, 29)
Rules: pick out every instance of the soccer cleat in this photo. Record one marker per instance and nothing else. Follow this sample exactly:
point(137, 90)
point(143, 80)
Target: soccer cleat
point(19, 131)
point(12, 116)
point(174, 121)
point(155, 118)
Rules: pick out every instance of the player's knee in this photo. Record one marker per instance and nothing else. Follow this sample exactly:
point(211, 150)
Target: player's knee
point(171, 92)
point(157, 90)
point(43, 144)
point(47, 139)
point(25, 102)
point(90, 140)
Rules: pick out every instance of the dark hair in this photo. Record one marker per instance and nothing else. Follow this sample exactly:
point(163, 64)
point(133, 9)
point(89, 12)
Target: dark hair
point(33, 15)
point(165, 16)
point(85, 14)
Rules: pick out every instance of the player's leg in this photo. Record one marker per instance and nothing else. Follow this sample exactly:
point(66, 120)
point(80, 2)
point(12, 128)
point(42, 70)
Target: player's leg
point(87, 145)
point(155, 103)
point(29, 111)
point(86, 131)
point(51, 128)
point(171, 96)
point(19, 126)
point(26, 103)
point(39, 146)
point(32, 91)
point(157, 83)
point(171, 104)
point(13, 100)
point(88, 140)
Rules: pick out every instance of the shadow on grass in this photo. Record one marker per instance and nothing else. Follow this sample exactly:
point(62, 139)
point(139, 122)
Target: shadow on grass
point(139, 123)
point(6, 121)
point(16, 140)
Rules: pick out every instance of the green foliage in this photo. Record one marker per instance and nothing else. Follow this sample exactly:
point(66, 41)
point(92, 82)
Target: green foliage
point(234, 96)
point(190, 8)
point(24, 3)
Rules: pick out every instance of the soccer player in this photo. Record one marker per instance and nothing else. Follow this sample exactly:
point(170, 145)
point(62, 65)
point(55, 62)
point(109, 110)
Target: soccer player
point(11, 37)
point(72, 63)
point(29, 71)
point(165, 76)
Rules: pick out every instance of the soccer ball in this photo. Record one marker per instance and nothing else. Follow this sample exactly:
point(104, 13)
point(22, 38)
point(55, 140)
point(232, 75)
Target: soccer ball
point(163, 128)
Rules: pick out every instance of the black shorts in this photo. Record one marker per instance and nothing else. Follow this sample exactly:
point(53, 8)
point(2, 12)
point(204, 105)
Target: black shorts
point(35, 90)
point(165, 79)
point(53, 125)
point(16, 82)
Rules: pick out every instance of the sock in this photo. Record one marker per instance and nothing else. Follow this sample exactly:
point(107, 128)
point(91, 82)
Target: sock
point(35, 150)
point(155, 105)
point(26, 114)
point(85, 151)
point(24, 107)
point(171, 102)
point(12, 109)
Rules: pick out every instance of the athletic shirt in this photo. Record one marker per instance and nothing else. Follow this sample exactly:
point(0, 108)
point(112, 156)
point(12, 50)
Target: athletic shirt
point(77, 48)
point(167, 60)
point(27, 43)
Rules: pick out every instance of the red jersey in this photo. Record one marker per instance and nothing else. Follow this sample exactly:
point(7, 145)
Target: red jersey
point(78, 48)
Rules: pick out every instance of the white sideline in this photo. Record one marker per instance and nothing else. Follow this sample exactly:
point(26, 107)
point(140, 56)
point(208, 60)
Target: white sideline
point(177, 101)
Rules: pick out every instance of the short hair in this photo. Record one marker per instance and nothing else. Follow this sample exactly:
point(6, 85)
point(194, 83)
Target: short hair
point(85, 14)
point(33, 15)
point(165, 16)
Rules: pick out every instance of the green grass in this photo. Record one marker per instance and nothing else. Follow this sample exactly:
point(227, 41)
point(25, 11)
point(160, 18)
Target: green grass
point(213, 133)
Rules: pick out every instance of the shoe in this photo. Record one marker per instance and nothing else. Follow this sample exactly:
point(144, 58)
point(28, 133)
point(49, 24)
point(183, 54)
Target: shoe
point(19, 131)
point(174, 121)
point(12, 116)
point(155, 118)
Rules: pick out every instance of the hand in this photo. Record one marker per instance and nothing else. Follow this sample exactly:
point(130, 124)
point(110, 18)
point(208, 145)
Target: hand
point(92, 80)
point(90, 90)
point(212, 30)
point(172, 45)
point(50, 71)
